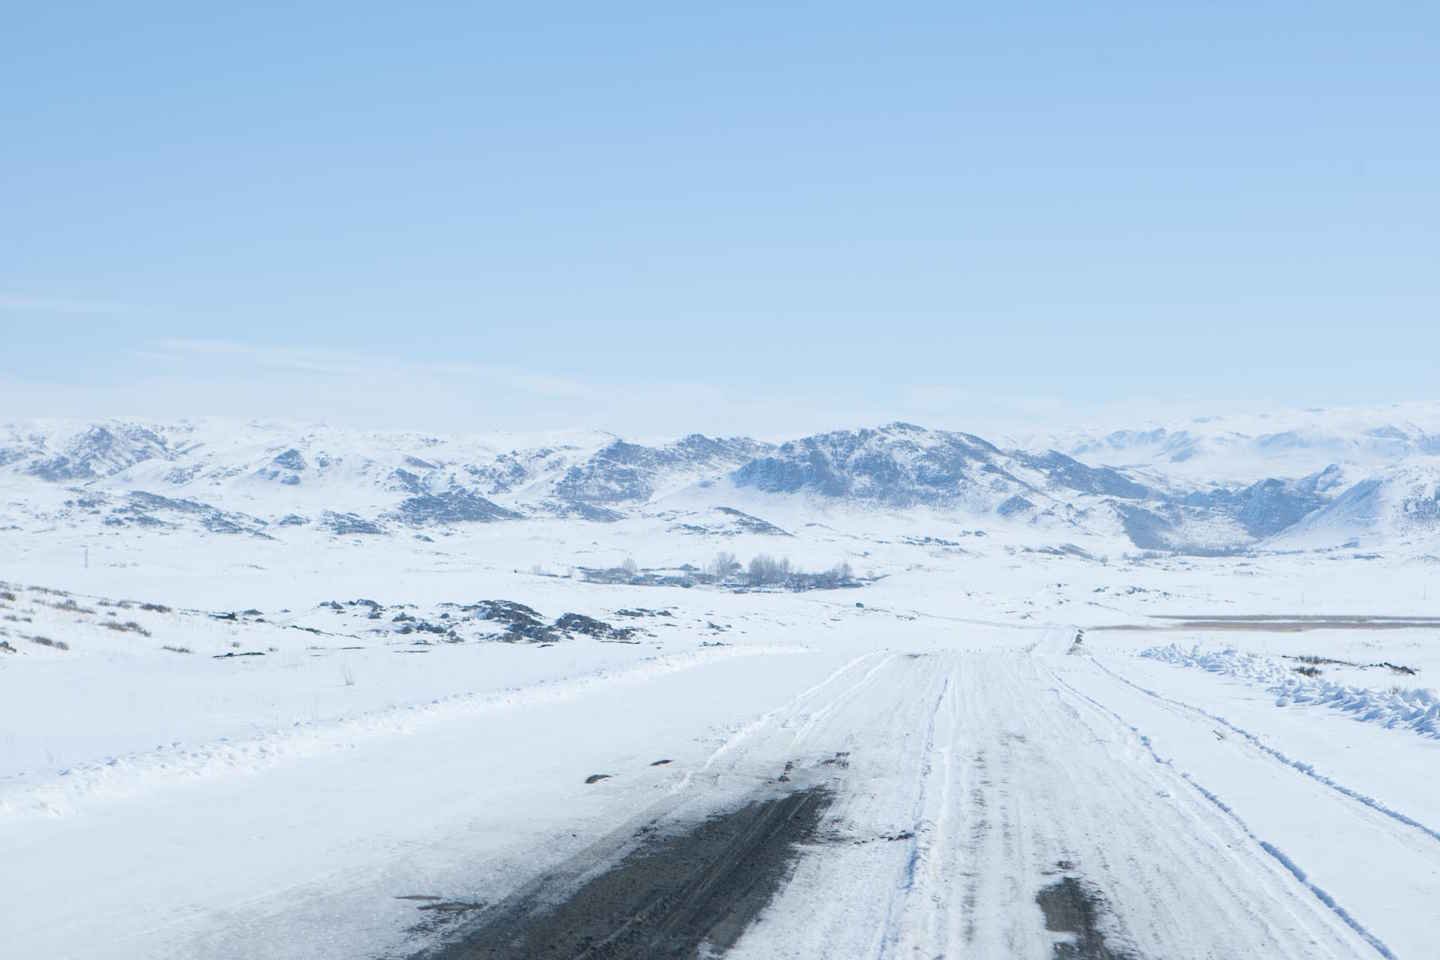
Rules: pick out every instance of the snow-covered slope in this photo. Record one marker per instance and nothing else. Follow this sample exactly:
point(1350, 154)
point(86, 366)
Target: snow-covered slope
point(270, 479)
point(902, 464)
point(294, 475)
point(1399, 504)
point(1250, 447)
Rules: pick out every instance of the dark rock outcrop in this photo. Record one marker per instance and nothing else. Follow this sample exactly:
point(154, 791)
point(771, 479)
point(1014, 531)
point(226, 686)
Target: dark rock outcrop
point(452, 506)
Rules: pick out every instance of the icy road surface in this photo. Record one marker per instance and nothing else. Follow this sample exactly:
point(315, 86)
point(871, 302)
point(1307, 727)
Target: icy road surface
point(992, 794)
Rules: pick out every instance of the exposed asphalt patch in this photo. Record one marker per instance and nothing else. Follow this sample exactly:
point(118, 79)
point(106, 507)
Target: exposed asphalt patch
point(701, 886)
point(1072, 906)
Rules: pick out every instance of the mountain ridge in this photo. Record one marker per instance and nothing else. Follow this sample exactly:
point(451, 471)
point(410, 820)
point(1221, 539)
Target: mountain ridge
point(131, 473)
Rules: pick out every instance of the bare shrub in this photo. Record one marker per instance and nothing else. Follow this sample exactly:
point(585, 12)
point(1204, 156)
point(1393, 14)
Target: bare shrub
point(129, 626)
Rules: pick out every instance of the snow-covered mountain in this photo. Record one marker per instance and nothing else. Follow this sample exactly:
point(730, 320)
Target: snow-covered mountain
point(629, 473)
point(1281, 444)
point(1400, 503)
point(97, 451)
point(903, 465)
point(262, 479)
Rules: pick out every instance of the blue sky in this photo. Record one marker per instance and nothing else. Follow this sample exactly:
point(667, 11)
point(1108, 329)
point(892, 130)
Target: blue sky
point(736, 218)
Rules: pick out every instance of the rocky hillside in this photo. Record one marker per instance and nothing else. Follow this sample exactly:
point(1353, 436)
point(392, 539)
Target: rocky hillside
point(259, 479)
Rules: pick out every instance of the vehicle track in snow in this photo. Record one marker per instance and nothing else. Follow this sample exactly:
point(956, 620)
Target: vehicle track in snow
point(1373, 866)
point(1300, 766)
point(975, 805)
point(1009, 786)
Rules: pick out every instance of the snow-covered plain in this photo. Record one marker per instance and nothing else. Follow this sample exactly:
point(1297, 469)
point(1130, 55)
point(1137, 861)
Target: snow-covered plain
point(227, 734)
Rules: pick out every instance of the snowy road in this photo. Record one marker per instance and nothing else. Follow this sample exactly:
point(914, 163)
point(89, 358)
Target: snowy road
point(976, 783)
point(981, 804)
point(990, 795)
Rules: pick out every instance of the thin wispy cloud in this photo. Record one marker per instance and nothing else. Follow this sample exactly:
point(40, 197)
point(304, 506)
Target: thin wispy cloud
point(233, 378)
point(364, 368)
point(275, 358)
point(226, 377)
point(30, 303)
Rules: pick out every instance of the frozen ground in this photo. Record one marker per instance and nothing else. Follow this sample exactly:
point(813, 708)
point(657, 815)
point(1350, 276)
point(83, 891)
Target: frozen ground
point(324, 746)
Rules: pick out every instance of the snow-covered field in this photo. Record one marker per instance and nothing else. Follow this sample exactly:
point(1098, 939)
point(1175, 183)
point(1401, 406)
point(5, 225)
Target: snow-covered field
point(226, 734)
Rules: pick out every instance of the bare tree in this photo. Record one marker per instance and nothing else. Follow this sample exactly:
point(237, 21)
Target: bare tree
point(765, 570)
point(630, 567)
point(722, 567)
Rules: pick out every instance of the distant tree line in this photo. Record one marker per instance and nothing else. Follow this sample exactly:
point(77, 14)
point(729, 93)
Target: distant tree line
point(725, 570)
point(763, 572)
point(767, 571)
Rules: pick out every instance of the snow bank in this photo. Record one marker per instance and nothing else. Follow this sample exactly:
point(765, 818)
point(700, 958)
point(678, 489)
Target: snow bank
point(132, 775)
point(1416, 709)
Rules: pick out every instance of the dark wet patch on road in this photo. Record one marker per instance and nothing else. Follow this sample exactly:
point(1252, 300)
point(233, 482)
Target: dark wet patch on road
point(438, 913)
point(700, 886)
point(1073, 906)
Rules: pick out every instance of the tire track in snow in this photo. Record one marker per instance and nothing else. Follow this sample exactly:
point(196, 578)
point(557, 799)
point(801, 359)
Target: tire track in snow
point(972, 789)
point(896, 904)
point(837, 703)
point(934, 853)
point(979, 819)
point(1298, 765)
point(1270, 849)
point(791, 707)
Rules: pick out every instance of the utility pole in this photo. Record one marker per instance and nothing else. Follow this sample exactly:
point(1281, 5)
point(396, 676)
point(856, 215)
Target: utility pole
point(87, 558)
